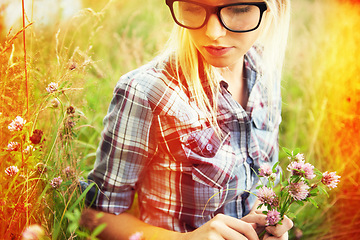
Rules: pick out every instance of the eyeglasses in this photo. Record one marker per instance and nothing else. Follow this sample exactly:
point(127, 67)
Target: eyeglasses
point(236, 17)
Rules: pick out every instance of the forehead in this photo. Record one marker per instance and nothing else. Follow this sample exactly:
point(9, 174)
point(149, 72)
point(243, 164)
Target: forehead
point(224, 2)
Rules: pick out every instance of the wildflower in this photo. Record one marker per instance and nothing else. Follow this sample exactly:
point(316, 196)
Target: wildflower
point(33, 232)
point(36, 137)
point(69, 172)
point(299, 190)
point(272, 177)
point(17, 124)
point(266, 195)
point(272, 217)
point(330, 179)
point(72, 66)
point(70, 110)
point(55, 103)
point(309, 171)
point(56, 182)
point(136, 236)
point(52, 87)
point(70, 123)
point(265, 170)
point(299, 157)
point(302, 169)
point(28, 149)
point(11, 171)
point(13, 146)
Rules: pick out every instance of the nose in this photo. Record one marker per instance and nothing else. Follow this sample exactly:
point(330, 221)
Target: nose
point(214, 28)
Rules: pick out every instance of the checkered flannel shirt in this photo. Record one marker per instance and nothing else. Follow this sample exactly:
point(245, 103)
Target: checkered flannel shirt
point(157, 142)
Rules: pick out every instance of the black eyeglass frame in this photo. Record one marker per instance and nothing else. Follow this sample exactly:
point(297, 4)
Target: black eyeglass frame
point(216, 10)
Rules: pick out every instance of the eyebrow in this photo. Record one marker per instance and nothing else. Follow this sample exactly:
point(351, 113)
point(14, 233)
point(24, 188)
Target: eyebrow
point(226, 2)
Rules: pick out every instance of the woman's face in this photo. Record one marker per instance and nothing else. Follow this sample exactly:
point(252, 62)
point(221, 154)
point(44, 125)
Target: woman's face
point(219, 46)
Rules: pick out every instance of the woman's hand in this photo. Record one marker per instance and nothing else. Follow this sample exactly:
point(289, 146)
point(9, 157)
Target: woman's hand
point(223, 227)
point(278, 232)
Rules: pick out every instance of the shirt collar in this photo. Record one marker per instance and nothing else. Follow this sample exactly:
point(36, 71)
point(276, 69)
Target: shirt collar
point(251, 68)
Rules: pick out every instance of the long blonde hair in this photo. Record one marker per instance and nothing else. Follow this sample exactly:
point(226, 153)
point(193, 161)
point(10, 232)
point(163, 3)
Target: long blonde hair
point(188, 61)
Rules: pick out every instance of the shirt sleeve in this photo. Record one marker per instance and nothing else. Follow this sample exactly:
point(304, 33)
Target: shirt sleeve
point(124, 149)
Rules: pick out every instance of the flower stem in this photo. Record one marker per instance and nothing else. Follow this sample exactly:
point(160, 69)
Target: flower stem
point(261, 235)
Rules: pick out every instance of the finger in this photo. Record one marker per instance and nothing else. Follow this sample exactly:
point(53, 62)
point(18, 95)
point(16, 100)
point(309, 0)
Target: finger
point(254, 225)
point(280, 230)
point(239, 226)
point(244, 228)
point(256, 217)
point(227, 233)
point(267, 236)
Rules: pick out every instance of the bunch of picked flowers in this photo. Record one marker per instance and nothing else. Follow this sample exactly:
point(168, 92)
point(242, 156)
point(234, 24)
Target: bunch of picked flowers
point(305, 182)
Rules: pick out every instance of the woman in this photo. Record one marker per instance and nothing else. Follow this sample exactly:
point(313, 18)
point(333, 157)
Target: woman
point(187, 131)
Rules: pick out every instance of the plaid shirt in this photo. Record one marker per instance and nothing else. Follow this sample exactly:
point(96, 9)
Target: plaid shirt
point(156, 142)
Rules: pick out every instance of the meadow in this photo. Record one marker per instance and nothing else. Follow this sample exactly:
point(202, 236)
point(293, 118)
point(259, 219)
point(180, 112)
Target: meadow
point(59, 79)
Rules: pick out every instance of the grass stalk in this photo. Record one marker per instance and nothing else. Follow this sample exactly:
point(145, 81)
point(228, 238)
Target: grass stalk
point(25, 59)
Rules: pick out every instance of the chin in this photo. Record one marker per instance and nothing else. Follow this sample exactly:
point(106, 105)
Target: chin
point(220, 64)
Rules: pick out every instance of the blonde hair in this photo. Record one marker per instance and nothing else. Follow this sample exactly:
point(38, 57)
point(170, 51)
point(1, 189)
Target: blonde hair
point(189, 62)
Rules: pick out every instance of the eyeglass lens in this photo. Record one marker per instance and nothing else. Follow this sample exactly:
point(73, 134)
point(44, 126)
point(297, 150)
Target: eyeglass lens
point(234, 17)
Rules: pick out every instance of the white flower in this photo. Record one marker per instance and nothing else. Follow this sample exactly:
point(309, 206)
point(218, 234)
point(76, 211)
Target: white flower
point(52, 87)
point(56, 182)
point(17, 124)
point(11, 171)
point(33, 232)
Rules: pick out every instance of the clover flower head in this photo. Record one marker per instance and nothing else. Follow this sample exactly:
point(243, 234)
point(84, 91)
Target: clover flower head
point(17, 124)
point(299, 157)
point(272, 177)
point(272, 217)
point(70, 110)
point(295, 167)
point(136, 236)
point(11, 171)
point(266, 195)
point(265, 170)
point(52, 87)
point(13, 146)
point(301, 168)
point(70, 123)
point(28, 149)
point(330, 179)
point(55, 103)
point(299, 190)
point(69, 172)
point(56, 182)
point(309, 171)
point(33, 232)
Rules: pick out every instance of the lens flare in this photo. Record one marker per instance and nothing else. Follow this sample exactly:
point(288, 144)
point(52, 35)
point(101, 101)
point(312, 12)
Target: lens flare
point(338, 88)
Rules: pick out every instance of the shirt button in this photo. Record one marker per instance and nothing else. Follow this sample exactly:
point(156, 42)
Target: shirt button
point(249, 160)
point(209, 147)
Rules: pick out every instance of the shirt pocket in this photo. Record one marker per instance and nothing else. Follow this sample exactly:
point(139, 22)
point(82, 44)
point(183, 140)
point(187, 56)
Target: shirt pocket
point(212, 158)
point(264, 134)
point(265, 118)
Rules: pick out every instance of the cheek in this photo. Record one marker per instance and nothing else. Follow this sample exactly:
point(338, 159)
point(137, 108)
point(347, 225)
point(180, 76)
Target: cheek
point(245, 40)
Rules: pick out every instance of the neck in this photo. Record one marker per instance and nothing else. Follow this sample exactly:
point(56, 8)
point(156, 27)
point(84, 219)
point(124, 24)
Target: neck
point(234, 75)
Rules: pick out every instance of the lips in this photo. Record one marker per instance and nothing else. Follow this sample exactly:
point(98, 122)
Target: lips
point(217, 50)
